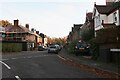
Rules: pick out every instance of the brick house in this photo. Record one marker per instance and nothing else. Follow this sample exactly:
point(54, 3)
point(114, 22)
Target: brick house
point(20, 33)
point(75, 33)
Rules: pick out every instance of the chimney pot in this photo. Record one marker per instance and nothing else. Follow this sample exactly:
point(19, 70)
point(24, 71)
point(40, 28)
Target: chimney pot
point(16, 22)
point(27, 26)
point(37, 32)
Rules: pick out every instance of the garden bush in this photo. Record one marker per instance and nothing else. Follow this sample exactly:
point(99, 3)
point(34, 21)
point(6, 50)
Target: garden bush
point(11, 47)
point(94, 49)
point(71, 47)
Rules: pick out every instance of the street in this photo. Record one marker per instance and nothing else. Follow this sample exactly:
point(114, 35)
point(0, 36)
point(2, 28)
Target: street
point(39, 64)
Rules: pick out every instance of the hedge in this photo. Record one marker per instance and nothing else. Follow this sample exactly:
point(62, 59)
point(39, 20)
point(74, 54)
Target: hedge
point(11, 47)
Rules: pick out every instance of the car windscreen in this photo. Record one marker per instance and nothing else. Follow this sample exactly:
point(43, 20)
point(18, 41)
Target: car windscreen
point(81, 45)
point(52, 46)
point(40, 47)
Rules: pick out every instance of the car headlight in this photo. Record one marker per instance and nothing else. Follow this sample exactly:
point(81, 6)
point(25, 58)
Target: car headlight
point(76, 47)
point(87, 47)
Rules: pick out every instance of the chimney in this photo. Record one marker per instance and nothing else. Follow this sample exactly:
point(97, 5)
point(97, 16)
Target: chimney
point(27, 26)
point(16, 22)
point(37, 32)
point(109, 2)
point(32, 30)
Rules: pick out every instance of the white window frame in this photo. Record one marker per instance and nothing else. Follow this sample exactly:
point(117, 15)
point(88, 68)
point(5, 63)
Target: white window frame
point(115, 17)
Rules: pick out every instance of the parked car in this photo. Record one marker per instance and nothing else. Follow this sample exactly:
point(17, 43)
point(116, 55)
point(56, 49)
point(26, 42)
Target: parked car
point(45, 47)
point(59, 47)
point(53, 49)
point(41, 48)
point(82, 48)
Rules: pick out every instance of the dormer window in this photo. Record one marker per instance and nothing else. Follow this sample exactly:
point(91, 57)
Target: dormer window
point(115, 17)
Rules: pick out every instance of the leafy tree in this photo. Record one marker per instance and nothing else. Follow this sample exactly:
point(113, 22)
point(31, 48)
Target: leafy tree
point(87, 34)
point(5, 23)
point(56, 40)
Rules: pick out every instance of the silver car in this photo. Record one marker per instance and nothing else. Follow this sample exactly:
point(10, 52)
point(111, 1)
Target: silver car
point(53, 49)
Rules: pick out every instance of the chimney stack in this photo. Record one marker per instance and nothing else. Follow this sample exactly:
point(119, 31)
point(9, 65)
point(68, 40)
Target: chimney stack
point(37, 32)
point(27, 26)
point(16, 22)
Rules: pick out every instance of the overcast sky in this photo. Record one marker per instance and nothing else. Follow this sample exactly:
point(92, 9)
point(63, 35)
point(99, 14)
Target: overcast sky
point(51, 17)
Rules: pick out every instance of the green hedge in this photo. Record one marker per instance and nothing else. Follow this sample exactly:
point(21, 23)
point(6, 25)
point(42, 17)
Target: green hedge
point(94, 49)
point(105, 36)
point(109, 35)
point(71, 47)
point(11, 47)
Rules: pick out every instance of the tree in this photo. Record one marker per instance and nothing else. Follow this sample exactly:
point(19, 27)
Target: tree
point(5, 23)
point(60, 41)
point(88, 34)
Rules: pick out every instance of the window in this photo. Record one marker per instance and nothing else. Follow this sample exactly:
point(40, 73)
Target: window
point(98, 23)
point(115, 17)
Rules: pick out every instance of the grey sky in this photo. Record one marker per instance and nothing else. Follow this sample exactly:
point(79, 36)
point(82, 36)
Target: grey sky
point(51, 17)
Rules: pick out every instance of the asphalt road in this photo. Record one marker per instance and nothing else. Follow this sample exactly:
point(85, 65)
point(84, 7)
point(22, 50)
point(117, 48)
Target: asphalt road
point(39, 64)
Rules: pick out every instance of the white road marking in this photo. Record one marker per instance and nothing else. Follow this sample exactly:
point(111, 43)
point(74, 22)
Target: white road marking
point(5, 64)
point(61, 57)
point(4, 59)
point(18, 78)
point(29, 57)
point(13, 58)
point(45, 55)
point(26, 57)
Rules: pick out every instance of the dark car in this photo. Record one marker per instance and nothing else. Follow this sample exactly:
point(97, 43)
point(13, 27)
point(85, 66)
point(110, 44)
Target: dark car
point(53, 49)
point(41, 48)
point(82, 48)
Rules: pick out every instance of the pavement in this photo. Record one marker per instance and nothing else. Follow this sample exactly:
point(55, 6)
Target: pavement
point(86, 60)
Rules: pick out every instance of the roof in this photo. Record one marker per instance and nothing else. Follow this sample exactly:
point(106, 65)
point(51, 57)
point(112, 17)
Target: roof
point(24, 28)
point(77, 26)
point(103, 9)
point(107, 9)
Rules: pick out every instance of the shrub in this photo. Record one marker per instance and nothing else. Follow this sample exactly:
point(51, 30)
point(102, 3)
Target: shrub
point(71, 46)
point(94, 49)
point(11, 47)
point(108, 35)
point(87, 34)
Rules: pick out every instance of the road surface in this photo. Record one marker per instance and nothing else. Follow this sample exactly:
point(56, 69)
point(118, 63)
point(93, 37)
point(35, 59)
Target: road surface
point(39, 64)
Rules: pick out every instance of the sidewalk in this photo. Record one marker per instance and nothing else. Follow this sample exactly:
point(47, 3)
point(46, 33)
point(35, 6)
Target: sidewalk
point(107, 67)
